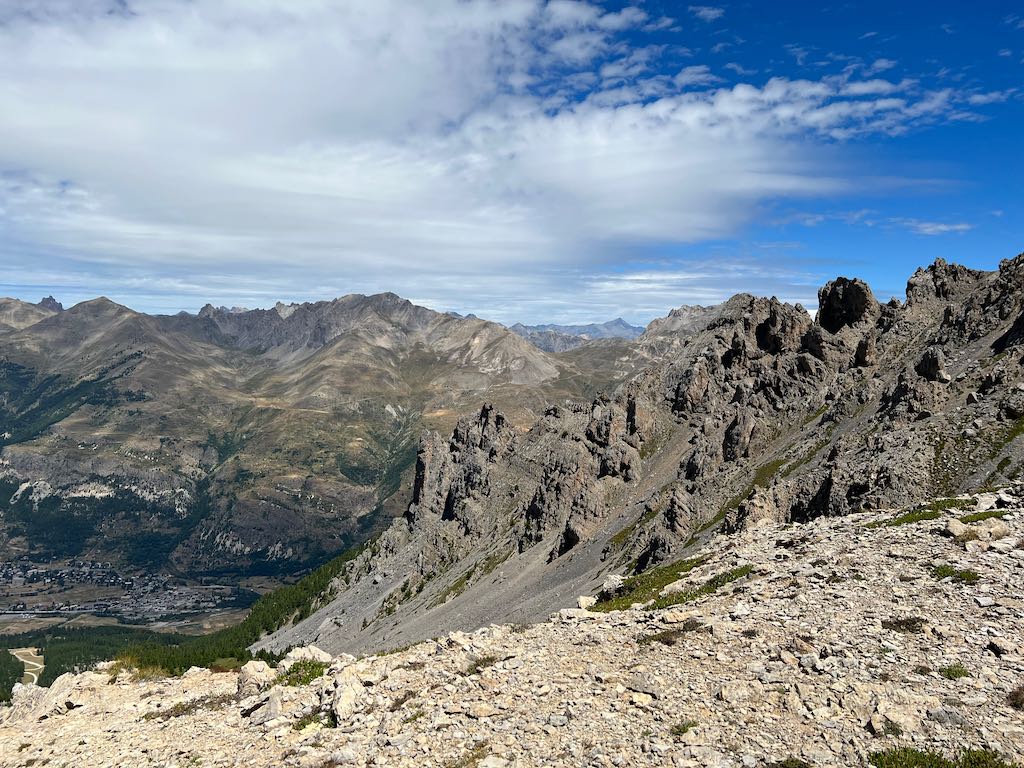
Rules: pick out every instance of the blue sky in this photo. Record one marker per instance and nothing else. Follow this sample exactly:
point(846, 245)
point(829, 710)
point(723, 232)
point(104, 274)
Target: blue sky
point(522, 160)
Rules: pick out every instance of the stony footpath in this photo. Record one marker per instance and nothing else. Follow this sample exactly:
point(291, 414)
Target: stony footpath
point(833, 640)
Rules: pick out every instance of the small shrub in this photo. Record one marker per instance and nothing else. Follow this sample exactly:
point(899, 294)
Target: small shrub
point(907, 626)
point(327, 720)
point(684, 727)
point(954, 671)
point(480, 663)
point(302, 672)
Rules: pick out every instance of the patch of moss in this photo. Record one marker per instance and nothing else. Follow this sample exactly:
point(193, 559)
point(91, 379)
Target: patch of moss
point(977, 517)
point(964, 576)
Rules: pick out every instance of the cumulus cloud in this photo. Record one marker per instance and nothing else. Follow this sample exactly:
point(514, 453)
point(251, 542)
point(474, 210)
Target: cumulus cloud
point(242, 152)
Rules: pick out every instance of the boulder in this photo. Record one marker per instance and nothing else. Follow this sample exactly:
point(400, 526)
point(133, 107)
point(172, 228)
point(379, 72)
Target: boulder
point(253, 677)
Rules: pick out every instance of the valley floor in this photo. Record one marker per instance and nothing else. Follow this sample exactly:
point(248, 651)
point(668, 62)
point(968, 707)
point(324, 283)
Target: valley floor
point(836, 640)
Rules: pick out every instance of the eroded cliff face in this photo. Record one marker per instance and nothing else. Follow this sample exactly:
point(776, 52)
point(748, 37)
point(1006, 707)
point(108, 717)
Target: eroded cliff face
point(756, 412)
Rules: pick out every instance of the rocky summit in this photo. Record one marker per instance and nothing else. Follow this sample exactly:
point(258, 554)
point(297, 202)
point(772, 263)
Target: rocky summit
point(837, 641)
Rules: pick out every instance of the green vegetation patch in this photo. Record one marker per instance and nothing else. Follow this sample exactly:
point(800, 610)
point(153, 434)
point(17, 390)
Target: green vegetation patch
point(454, 589)
point(480, 663)
point(708, 587)
point(964, 576)
point(76, 649)
point(954, 671)
point(647, 585)
point(302, 672)
point(472, 758)
point(905, 757)
point(684, 727)
point(931, 511)
point(762, 477)
point(977, 517)
point(620, 539)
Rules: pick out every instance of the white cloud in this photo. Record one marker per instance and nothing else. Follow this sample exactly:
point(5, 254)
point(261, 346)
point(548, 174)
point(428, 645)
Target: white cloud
point(932, 228)
point(707, 12)
point(990, 97)
point(240, 151)
point(697, 74)
point(881, 65)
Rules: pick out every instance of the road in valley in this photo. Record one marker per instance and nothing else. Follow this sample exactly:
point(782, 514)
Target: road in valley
point(33, 663)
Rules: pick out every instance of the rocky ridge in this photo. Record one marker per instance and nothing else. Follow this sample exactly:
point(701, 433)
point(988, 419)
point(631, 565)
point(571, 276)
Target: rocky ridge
point(749, 411)
point(823, 641)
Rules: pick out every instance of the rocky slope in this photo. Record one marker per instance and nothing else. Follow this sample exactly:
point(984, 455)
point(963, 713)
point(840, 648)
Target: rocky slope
point(238, 442)
point(825, 642)
point(748, 411)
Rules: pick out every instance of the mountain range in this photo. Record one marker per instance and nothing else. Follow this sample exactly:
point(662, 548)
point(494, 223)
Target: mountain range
point(493, 479)
point(237, 442)
point(561, 338)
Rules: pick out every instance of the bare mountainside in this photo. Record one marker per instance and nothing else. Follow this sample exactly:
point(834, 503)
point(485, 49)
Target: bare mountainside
point(886, 638)
point(237, 443)
point(755, 412)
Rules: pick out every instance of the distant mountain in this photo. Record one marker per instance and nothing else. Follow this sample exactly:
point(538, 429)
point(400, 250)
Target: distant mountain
point(561, 338)
point(238, 442)
point(15, 314)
